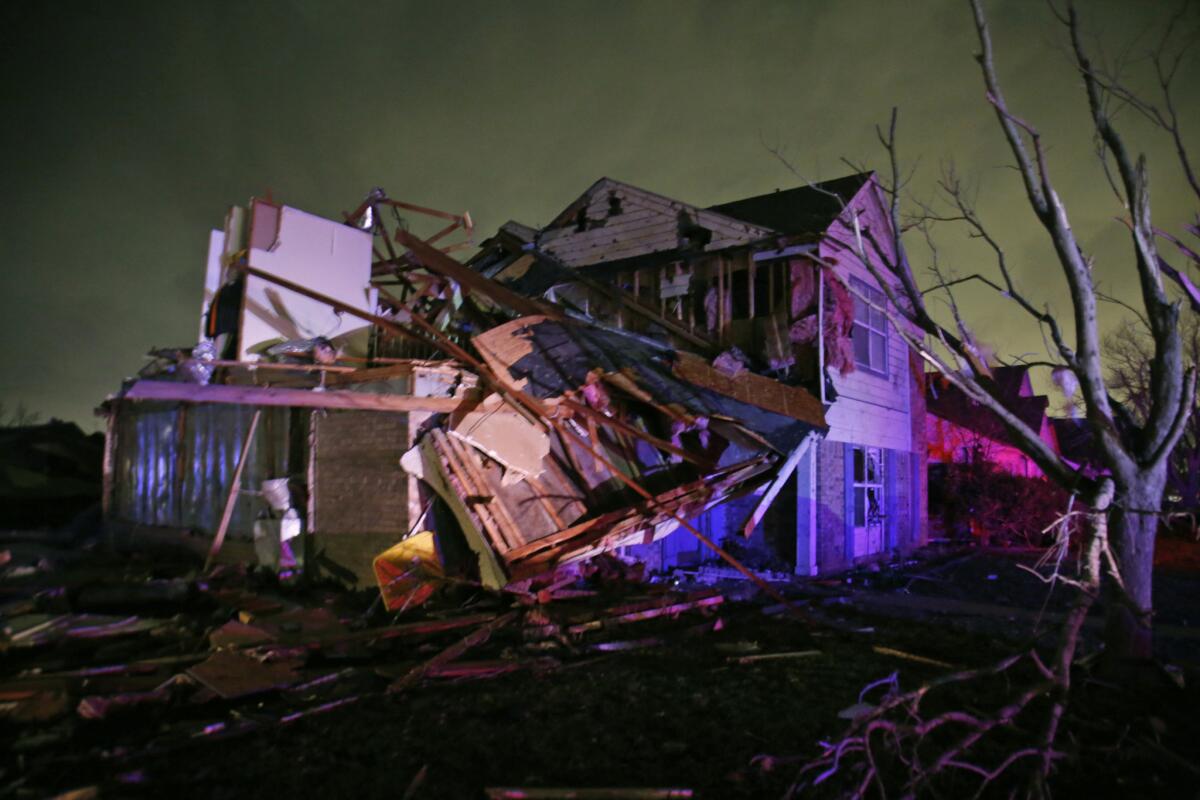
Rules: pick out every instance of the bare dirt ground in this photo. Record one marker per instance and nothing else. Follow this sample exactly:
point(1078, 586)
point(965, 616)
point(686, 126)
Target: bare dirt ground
point(720, 697)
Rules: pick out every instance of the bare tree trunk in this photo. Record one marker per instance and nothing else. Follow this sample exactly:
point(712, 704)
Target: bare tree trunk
point(1134, 525)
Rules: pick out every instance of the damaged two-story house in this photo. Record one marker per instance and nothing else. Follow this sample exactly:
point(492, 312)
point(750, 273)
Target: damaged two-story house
point(769, 285)
point(640, 374)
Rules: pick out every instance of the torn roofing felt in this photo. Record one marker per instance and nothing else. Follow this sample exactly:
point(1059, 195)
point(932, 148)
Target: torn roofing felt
point(559, 355)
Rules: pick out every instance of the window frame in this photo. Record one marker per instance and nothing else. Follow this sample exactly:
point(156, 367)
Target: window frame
point(876, 296)
point(866, 483)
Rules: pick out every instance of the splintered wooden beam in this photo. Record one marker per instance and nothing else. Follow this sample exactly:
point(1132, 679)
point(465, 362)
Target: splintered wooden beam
point(463, 219)
point(446, 231)
point(291, 398)
point(435, 260)
point(785, 472)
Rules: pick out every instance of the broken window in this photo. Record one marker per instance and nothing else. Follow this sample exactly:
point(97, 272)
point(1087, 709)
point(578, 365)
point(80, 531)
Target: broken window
point(868, 500)
point(870, 328)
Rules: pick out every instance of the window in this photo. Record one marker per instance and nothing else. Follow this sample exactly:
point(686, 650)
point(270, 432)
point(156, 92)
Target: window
point(868, 500)
point(870, 329)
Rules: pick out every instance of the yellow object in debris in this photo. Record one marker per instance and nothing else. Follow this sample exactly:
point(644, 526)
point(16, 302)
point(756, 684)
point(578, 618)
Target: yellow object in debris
point(408, 571)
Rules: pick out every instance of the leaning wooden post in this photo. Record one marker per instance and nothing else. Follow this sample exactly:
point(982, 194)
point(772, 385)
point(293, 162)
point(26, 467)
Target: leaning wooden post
point(234, 488)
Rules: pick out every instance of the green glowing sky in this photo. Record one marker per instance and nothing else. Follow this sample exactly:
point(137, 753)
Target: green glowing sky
point(130, 127)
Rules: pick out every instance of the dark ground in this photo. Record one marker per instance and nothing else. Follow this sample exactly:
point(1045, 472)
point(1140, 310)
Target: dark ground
point(675, 709)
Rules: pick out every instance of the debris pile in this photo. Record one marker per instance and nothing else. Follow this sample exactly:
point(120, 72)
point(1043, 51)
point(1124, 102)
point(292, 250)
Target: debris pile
point(104, 661)
point(402, 416)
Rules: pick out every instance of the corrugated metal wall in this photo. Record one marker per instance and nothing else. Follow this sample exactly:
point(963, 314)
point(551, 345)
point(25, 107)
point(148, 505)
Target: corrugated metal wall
point(173, 463)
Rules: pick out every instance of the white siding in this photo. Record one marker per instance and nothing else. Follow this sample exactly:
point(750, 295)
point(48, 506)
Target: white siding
point(871, 409)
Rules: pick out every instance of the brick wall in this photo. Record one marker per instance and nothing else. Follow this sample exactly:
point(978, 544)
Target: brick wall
point(904, 500)
point(358, 484)
point(831, 503)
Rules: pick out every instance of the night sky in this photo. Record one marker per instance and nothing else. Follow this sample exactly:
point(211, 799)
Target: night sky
point(130, 127)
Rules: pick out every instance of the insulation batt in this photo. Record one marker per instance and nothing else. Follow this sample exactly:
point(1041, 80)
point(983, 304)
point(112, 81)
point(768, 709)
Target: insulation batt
point(804, 286)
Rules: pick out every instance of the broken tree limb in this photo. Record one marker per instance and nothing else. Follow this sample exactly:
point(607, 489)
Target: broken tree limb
point(234, 487)
point(785, 472)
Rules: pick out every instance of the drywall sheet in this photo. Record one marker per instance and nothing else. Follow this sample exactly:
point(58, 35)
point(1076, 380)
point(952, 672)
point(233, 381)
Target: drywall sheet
point(212, 273)
point(320, 254)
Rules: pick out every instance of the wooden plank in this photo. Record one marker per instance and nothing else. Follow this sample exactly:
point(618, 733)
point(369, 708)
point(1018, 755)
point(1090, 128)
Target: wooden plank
point(539, 491)
point(781, 478)
point(471, 470)
point(463, 219)
point(490, 524)
point(234, 488)
point(371, 374)
point(436, 261)
point(292, 398)
point(271, 365)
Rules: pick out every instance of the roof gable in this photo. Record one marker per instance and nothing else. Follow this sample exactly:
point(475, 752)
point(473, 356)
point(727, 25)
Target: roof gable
point(614, 221)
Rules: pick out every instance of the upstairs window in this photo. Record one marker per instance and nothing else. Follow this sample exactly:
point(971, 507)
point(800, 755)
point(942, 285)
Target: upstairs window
point(870, 329)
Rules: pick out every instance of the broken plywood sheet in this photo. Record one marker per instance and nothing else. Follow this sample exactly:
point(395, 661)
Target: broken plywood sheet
point(506, 436)
point(232, 674)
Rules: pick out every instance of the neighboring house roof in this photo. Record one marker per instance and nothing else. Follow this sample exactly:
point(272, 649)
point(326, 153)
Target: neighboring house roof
point(1013, 381)
point(944, 400)
point(805, 210)
point(1075, 440)
point(616, 222)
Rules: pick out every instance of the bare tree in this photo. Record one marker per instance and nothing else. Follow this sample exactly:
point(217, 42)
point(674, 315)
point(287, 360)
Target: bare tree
point(18, 417)
point(1128, 354)
point(896, 744)
point(1135, 451)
